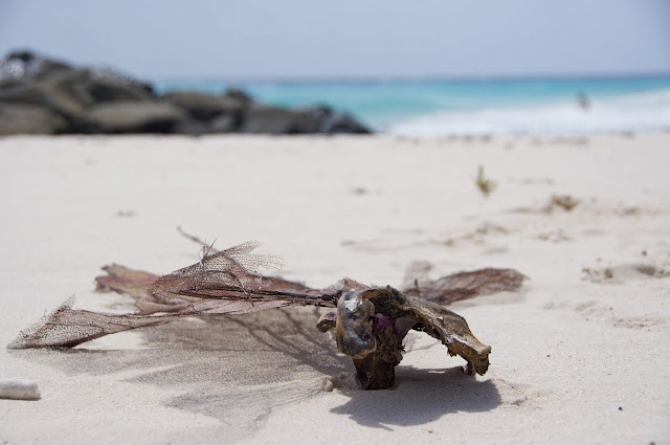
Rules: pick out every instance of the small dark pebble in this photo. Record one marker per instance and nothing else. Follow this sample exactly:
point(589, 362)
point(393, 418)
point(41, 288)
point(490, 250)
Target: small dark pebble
point(620, 409)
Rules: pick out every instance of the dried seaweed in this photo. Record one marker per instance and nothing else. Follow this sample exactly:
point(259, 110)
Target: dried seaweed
point(369, 322)
point(68, 327)
point(458, 286)
point(566, 202)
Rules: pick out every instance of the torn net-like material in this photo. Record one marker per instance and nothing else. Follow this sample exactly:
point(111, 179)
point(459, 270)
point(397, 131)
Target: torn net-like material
point(369, 322)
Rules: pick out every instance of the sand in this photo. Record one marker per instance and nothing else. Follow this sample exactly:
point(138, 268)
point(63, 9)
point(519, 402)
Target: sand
point(580, 355)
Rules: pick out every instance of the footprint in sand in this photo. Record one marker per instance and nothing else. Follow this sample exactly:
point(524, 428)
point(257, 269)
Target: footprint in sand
point(516, 394)
point(623, 273)
point(596, 311)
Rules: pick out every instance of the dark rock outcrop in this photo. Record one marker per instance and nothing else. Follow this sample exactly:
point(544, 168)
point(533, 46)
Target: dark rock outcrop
point(28, 65)
point(331, 122)
point(205, 106)
point(221, 124)
point(59, 98)
point(273, 120)
point(135, 117)
point(29, 119)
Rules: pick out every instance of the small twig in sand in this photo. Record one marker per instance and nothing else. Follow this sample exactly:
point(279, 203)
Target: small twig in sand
point(206, 246)
point(19, 389)
point(485, 185)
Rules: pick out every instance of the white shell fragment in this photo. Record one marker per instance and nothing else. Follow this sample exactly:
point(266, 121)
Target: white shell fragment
point(19, 389)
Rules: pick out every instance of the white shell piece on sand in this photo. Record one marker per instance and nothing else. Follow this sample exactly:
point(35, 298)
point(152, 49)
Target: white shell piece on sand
point(19, 389)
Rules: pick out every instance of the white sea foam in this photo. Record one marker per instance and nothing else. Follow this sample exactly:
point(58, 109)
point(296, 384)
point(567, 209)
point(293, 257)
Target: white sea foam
point(644, 112)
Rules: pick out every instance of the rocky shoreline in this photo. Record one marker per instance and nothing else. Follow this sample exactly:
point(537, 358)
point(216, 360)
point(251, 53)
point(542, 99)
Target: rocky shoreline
point(39, 95)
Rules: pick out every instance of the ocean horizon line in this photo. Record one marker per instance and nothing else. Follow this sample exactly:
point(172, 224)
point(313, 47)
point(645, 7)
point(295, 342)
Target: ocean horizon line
point(374, 80)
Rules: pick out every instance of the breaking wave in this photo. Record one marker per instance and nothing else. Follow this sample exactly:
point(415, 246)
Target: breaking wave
point(634, 113)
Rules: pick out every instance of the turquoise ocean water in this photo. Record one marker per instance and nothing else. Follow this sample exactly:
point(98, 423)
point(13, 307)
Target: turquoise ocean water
point(434, 107)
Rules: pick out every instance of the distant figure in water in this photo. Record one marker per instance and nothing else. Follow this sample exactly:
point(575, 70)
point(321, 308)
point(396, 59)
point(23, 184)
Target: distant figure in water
point(583, 101)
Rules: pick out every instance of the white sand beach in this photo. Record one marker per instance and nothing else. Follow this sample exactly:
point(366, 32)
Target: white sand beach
point(580, 355)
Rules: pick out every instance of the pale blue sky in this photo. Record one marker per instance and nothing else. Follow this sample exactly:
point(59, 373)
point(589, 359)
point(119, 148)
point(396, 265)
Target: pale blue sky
point(209, 39)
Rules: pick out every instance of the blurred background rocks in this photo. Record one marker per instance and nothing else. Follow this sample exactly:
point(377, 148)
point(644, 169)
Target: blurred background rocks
point(39, 95)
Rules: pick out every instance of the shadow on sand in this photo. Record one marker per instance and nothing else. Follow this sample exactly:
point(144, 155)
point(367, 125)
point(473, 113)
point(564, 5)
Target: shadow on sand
point(237, 369)
point(424, 395)
point(234, 367)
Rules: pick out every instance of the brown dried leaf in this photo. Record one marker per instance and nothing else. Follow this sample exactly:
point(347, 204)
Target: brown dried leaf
point(458, 286)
